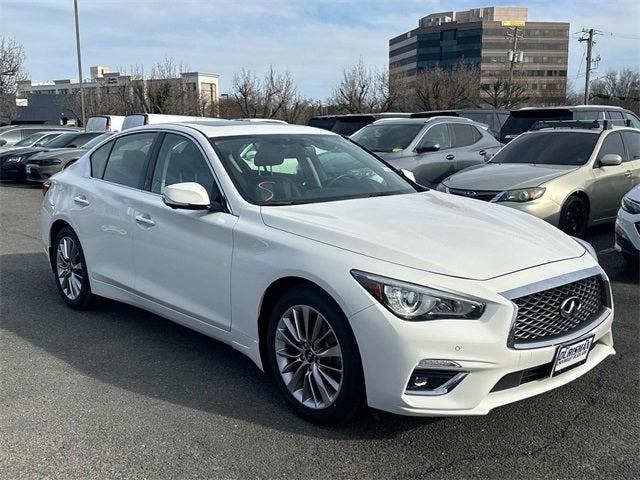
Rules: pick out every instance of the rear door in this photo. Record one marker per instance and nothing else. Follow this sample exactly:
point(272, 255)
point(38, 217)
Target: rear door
point(433, 167)
point(467, 145)
point(631, 141)
point(611, 182)
point(105, 214)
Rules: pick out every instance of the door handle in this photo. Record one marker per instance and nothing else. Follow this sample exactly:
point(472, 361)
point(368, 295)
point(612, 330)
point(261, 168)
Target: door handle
point(451, 156)
point(627, 173)
point(144, 219)
point(81, 200)
point(482, 152)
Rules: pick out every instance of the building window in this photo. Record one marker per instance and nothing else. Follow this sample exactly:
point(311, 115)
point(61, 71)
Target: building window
point(448, 35)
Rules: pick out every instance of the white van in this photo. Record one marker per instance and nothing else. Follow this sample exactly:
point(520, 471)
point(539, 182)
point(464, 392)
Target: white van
point(140, 119)
point(104, 123)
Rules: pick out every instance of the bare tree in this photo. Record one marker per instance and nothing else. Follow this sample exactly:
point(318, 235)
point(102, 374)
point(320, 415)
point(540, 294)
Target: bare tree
point(11, 72)
point(505, 91)
point(620, 88)
point(353, 92)
point(442, 88)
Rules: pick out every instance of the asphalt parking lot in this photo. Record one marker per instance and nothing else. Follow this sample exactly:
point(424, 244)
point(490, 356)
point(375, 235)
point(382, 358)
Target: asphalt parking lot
point(120, 393)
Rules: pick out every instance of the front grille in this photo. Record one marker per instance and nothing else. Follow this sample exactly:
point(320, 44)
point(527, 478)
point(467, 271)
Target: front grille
point(485, 195)
point(539, 315)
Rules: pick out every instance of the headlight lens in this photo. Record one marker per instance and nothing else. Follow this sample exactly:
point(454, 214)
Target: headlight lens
point(630, 206)
point(13, 159)
point(524, 195)
point(415, 302)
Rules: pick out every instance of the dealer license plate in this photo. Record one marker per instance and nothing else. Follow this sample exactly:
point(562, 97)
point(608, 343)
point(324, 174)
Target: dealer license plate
point(572, 354)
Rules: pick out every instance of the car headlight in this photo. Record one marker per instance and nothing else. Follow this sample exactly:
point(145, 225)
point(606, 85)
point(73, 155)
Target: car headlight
point(523, 195)
point(442, 188)
point(630, 206)
point(13, 159)
point(415, 302)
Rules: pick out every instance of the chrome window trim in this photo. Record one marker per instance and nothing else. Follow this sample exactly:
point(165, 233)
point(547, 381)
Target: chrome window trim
point(553, 283)
point(442, 389)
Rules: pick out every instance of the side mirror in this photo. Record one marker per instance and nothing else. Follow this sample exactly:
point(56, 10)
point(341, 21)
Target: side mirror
point(611, 160)
point(428, 147)
point(409, 174)
point(2, 142)
point(187, 195)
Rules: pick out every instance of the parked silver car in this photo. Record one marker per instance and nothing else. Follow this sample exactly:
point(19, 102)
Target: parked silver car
point(570, 177)
point(431, 148)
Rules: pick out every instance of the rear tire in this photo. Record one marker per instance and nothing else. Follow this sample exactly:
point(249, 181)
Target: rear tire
point(70, 270)
point(314, 357)
point(574, 217)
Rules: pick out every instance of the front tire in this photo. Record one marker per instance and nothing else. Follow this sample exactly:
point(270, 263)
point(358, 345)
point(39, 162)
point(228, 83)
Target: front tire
point(70, 270)
point(314, 357)
point(574, 217)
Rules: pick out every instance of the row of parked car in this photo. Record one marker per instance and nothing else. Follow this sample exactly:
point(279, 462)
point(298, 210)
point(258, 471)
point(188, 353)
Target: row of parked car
point(570, 166)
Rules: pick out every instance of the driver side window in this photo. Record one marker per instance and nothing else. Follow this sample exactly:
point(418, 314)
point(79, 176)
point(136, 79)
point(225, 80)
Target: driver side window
point(180, 160)
point(437, 134)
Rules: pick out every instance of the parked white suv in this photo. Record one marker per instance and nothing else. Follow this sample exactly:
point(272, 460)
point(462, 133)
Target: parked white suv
point(349, 283)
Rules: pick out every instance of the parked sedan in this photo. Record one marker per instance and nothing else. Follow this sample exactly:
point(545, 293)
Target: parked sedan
point(431, 148)
point(13, 162)
point(40, 166)
point(39, 139)
point(350, 286)
point(12, 134)
point(628, 227)
point(570, 177)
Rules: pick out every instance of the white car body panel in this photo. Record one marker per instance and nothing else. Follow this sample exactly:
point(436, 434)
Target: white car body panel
point(210, 270)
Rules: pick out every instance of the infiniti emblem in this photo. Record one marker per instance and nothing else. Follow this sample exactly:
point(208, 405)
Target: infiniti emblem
point(470, 193)
point(570, 307)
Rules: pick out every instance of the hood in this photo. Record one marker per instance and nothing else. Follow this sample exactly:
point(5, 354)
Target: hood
point(430, 231)
point(20, 151)
point(506, 176)
point(60, 153)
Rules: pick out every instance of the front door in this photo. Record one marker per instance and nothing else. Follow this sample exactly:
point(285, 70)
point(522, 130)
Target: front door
point(183, 257)
point(433, 167)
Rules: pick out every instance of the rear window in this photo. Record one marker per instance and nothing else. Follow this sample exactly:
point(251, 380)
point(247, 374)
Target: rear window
point(349, 127)
point(387, 137)
point(549, 148)
point(324, 123)
point(132, 121)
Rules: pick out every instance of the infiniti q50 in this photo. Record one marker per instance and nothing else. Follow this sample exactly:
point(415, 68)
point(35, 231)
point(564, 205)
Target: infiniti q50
point(348, 283)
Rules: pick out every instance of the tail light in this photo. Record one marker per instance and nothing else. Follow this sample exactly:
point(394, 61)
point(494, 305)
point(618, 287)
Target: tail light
point(45, 187)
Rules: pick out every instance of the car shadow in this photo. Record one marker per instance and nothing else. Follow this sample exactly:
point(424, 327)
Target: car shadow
point(141, 352)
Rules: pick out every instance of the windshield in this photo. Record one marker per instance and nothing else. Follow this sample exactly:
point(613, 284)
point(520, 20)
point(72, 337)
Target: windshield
point(30, 140)
point(92, 143)
point(291, 169)
point(387, 137)
point(549, 148)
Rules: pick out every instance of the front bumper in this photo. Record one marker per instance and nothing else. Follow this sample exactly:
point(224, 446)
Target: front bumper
point(40, 173)
point(391, 349)
point(13, 171)
point(543, 208)
point(627, 233)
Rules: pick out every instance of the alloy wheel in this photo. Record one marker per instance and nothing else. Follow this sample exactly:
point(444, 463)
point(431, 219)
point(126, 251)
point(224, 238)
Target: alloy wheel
point(69, 268)
point(309, 356)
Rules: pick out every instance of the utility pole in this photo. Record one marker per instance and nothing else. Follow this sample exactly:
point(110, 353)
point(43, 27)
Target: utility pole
point(82, 113)
point(587, 77)
point(514, 56)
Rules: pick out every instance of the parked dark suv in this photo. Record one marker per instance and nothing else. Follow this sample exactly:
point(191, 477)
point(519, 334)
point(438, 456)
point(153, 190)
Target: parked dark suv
point(523, 119)
point(351, 123)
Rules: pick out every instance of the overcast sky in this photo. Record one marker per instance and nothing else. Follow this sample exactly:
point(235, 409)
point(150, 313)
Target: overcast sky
point(314, 39)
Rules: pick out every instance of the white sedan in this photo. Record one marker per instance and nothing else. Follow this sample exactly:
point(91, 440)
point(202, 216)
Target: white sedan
point(347, 282)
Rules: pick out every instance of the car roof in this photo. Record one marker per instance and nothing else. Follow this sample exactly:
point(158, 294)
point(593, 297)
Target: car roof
point(423, 120)
point(235, 128)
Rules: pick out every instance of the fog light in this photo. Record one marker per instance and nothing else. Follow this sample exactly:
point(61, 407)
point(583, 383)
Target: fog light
point(433, 382)
point(437, 363)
